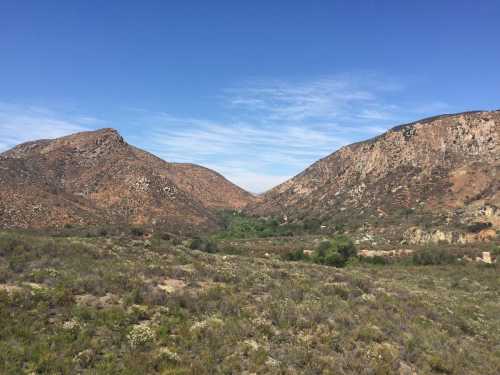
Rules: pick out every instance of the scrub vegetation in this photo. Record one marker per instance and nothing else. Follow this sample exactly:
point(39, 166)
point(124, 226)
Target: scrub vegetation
point(125, 304)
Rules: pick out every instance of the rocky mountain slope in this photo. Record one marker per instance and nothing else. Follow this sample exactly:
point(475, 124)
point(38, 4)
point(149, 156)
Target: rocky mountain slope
point(95, 177)
point(438, 172)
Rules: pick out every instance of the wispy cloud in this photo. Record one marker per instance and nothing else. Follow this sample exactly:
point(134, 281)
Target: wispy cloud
point(25, 123)
point(322, 99)
point(273, 130)
point(260, 134)
point(254, 156)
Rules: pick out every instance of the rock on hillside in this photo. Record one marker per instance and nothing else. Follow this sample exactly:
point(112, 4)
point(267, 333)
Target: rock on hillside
point(437, 171)
point(92, 178)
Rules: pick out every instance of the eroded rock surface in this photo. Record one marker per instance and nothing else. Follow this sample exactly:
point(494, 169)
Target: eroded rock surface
point(446, 167)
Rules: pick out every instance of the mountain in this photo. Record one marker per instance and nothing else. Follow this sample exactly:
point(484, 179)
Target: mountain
point(440, 172)
point(94, 178)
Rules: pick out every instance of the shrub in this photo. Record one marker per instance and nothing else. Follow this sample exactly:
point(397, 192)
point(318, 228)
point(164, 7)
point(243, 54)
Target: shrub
point(207, 246)
point(196, 244)
point(339, 228)
point(165, 236)
point(478, 227)
point(295, 255)
point(324, 246)
point(210, 247)
point(137, 231)
point(379, 260)
point(433, 256)
point(495, 249)
point(10, 244)
point(335, 259)
point(176, 241)
point(135, 296)
point(312, 225)
point(238, 225)
point(344, 246)
point(335, 252)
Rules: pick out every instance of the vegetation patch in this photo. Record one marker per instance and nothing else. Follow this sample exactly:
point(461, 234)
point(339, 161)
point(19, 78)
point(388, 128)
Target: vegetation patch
point(129, 305)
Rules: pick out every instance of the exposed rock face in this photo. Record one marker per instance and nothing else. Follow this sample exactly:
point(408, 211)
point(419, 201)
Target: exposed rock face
point(446, 166)
point(418, 236)
point(96, 177)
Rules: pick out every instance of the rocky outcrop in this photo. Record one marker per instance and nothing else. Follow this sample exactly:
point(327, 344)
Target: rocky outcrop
point(444, 168)
point(419, 236)
point(385, 253)
point(95, 177)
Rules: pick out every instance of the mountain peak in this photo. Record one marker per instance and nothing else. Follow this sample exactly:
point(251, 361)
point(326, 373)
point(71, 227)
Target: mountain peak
point(95, 177)
point(106, 132)
point(99, 135)
point(105, 138)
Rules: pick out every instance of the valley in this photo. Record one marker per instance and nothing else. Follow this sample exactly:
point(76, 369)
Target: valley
point(381, 258)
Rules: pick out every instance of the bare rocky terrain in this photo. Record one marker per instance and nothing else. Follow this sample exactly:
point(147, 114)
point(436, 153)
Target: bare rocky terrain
point(96, 178)
point(433, 180)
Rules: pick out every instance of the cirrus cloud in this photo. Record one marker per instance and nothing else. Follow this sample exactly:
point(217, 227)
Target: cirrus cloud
point(260, 134)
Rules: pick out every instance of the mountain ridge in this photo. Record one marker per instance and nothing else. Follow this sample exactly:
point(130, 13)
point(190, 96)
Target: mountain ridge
point(445, 165)
point(434, 166)
point(96, 177)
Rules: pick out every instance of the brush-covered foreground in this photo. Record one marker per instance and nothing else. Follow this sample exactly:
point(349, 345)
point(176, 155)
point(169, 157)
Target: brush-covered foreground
point(124, 306)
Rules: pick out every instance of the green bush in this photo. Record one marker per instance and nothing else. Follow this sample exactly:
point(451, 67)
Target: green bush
point(433, 256)
point(344, 246)
point(335, 252)
point(495, 249)
point(339, 227)
point(207, 246)
point(237, 225)
point(312, 225)
point(323, 247)
point(335, 260)
point(137, 231)
point(196, 244)
point(295, 255)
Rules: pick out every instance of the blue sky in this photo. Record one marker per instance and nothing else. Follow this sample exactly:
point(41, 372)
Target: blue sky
point(256, 90)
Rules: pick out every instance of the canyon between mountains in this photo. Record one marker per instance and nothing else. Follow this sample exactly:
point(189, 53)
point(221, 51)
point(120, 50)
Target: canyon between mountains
point(379, 259)
point(433, 180)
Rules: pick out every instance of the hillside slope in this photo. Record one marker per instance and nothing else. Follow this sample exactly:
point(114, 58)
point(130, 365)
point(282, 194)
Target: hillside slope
point(437, 171)
point(96, 177)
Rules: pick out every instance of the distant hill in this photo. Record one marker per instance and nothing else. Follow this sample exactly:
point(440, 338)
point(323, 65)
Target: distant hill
point(438, 172)
point(95, 177)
